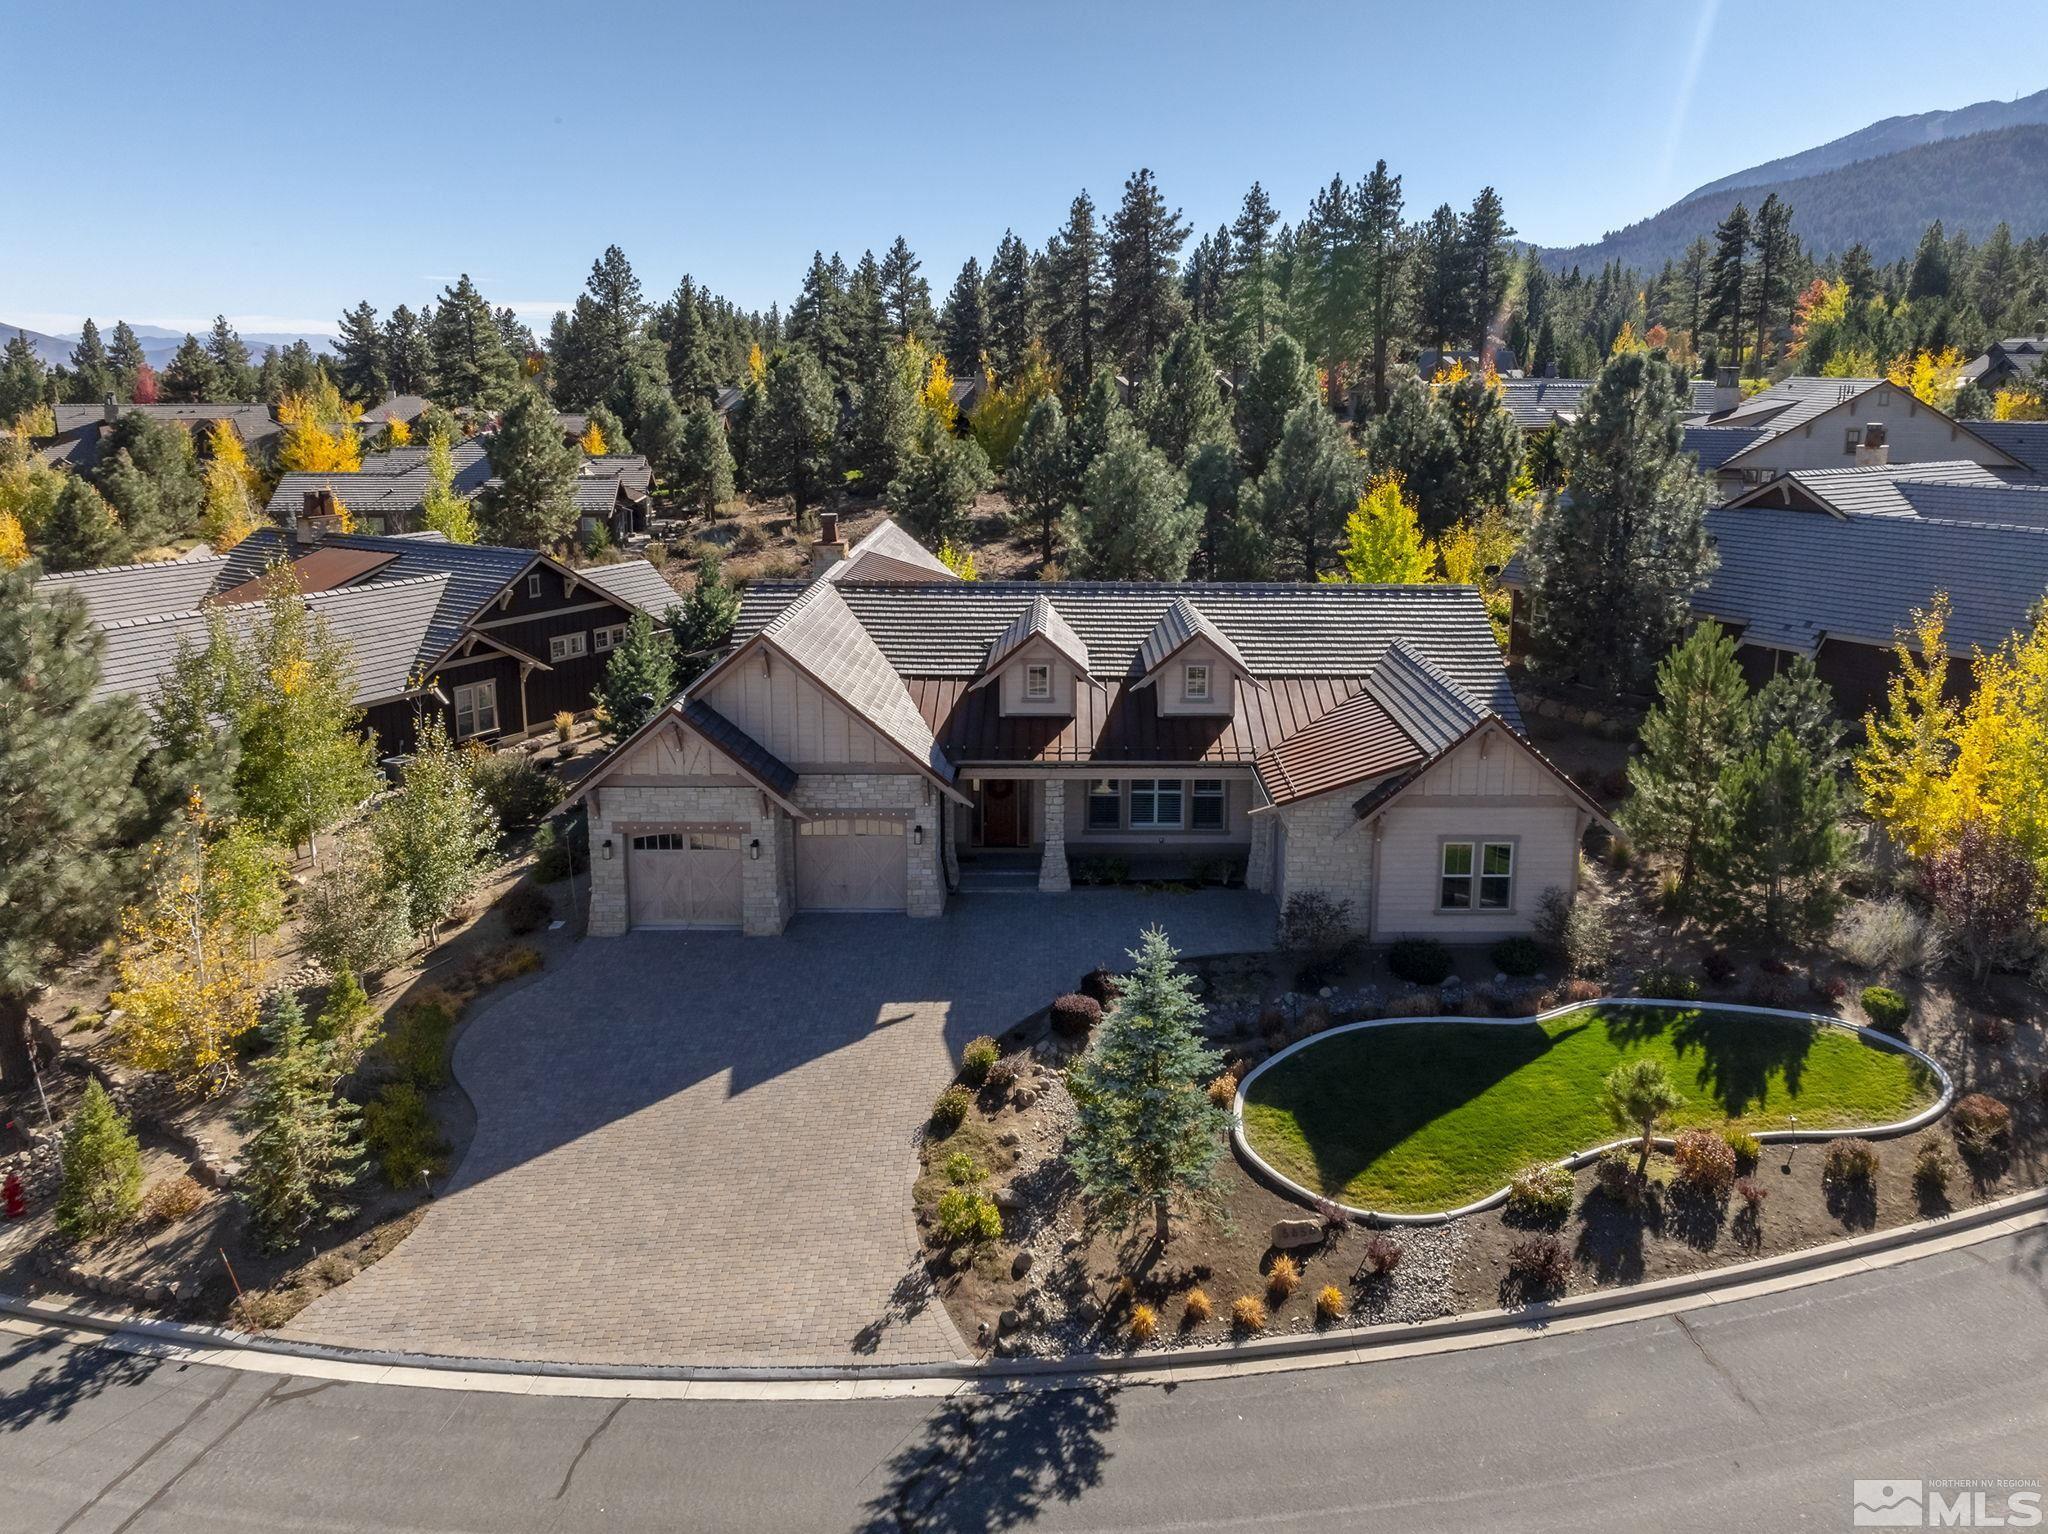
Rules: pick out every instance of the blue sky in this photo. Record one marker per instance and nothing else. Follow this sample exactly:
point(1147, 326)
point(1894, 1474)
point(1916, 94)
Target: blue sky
point(279, 162)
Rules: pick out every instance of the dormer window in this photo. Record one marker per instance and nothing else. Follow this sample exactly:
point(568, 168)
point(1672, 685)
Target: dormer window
point(533, 584)
point(1038, 683)
point(1195, 684)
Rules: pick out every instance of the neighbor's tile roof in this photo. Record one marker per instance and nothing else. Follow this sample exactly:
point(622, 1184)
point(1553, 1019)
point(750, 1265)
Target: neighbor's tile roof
point(398, 407)
point(114, 593)
point(1715, 445)
point(2025, 440)
point(887, 553)
point(392, 484)
point(634, 582)
point(1874, 489)
point(253, 423)
point(1793, 402)
point(1536, 403)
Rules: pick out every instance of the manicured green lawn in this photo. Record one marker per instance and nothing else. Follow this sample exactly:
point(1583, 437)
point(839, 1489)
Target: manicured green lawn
point(1426, 1116)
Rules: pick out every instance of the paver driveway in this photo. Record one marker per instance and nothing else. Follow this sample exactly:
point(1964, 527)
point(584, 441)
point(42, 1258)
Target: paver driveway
point(698, 1148)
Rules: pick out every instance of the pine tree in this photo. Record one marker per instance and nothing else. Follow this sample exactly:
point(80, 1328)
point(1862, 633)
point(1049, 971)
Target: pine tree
point(1772, 861)
point(81, 531)
point(690, 373)
point(126, 355)
point(1280, 384)
point(965, 323)
point(610, 433)
point(102, 1160)
point(1232, 549)
point(703, 622)
point(1253, 302)
point(93, 375)
point(1771, 291)
point(1134, 522)
point(68, 766)
point(907, 295)
point(470, 366)
point(939, 482)
point(1310, 486)
point(302, 1152)
point(192, 376)
point(1615, 564)
point(1443, 289)
point(435, 835)
point(233, 376)
point(1143, 306)
point(1040, 473)
point(659, 434)
point(817, 321)
point(1073, 296)
point(533, 505)
point(704, 468)
point(885, 404)
point(1186, 408)
point(1383, 543)
point(1146, 1137)
point(1795, 699)
point(408, 358)
point(149, 472)
point(791, 452)
point(1386, 252)
point(1488, 446)
point(1728, 277)
point(640, 677)
point(360, 364)
point(347, 1022)
point(1010, 320)
point(1416, 443)
point(1701, 719)
point(1488, 259)
point(1329, 285)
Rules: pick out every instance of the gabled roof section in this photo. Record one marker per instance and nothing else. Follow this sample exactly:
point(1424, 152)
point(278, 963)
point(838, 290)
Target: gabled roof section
point(1868, 489)
point(1539, 403)
point(1715, 445)
point(1040, 620)
point(769, 772)
point(887, 553)
point(634, 582)
point(322, 569)
point(113, 593)
point(1178, 627)
point(1798, 402)
point(2025, 440)
point(1422, 699)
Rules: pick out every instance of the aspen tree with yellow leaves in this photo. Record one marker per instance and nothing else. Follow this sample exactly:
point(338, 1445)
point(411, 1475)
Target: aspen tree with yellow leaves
point(319, 432)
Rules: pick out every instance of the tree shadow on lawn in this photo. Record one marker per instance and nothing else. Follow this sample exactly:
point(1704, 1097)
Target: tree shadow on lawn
point(1737, 1056)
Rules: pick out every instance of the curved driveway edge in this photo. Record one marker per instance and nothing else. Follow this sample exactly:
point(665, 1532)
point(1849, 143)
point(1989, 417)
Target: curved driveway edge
point(1283, 1184)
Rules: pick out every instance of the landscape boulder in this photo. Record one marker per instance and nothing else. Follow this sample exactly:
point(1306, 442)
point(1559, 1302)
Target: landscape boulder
point(1288, 1235)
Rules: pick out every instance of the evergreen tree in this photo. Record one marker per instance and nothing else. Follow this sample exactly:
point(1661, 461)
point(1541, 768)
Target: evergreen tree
point(1795, 699)
point(126, 355)
point(1693, 290)
point(1487, 258)
point(1385, 249)
point(906, 294)
point(690, 373)
point(1415, 442)
point(81, 530)
point(1931, 275)
point(702, 623)
point(1232, 549)
point(1040, 474)
point(149, 472)
point(1073, 297)
point(1010, 321)
point(301, 1153)
point(1329, 284)
point(965, 323)
point(1185, 409)
point(792, 450)
point(68, 765)
point(470, 366)
point(1134, 522)
point(233, 376)
point(1146, 1137)
point(299, 371)
point(1701, 719)
point(885, 407)
point(1772, 288)
point(408, 358)
point(640, 677)
point(704, 470)
point(1280, 384)
point(435, 835)
point(1253, 302)
point(101, 1188)
point(361, 367)
point(1309, 487)
point(939, 482)
point(24, 381)
point(192, 376)
point(93, 375)
point(1771, 864)
point(817, 320)
point(609, 435)
point(533, 505)
point(1143, 305)
point(1728, 284)
point(659, 436)
point(1616, 563)
point(1488, 445)
point(1443, 288)
point(1102, 414)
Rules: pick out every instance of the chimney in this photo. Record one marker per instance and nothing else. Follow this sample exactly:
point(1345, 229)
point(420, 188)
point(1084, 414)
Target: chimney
point(110, 411)
point(291, 525)
point(1872, 450)
point(830, 548)
point(1727, 391)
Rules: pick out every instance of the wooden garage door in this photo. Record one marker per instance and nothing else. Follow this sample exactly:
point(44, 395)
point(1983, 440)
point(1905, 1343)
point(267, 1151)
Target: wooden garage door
point(685, 878)
point(851, 863)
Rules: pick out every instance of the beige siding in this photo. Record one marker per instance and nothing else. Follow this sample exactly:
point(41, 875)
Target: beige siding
point(1010, 682)
point(1172, 683)
point(797, 720)
point(1916, 435)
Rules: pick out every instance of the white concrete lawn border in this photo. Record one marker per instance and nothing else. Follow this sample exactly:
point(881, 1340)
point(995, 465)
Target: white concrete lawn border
point(1283, 1184)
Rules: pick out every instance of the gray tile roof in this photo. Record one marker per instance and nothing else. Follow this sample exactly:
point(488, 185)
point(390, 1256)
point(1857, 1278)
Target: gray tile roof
point(1793, 402)
point(1299, 631)
point(1536, 403)
point(1434, 710)
point(634, 582)
point(396, 407)
point(1872, 489)
point(2025, 440)
point(1715, 445)
point(1793, 578)
point(113, 593)
point(392, 485)
point(887, 553)
point(2008, 355)
point(253, 423)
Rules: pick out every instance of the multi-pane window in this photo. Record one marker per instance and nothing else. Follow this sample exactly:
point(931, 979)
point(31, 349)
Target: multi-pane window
point(566, 646)
point(1195, 684)
point(1496, 875)
point(476, 710)
point(1477, 875)
point(687, 841)
point(1852, 439)
point(1105, 805)
point(1208, 808)
point(608, 637)
point(1156, 804)
point(1038, 682)
point(533, 584)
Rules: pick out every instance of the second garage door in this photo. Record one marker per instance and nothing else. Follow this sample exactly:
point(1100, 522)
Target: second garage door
point(851, 863)
point(685, 878)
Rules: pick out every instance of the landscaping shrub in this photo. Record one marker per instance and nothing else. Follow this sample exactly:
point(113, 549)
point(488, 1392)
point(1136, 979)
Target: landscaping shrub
point(1979, 1120)
point(977, 1060)
point(1990, 1030)
point(1932, 1169)
point(493, 967)
point(102, 1180)
point(1850, 1161)
point(1196, 1309)
point(1223, 1090)
point(1830, 987)
point(1774, 991)
point(1718, 966)
point(347, 1023)
point(1381, 1256)
point(1518, 957)
point(1576, 930)
point(527, 909)
point(1075, 1016)
point(1752, 1193)
point(401, 1137)
point(1144, 1323)
point(1413, 1004)
point(962, 1170)
point(1705, 1162)
point(1333, 1214)
point(1539, 1262)
point(1248, 1313)
point(416, 1038)
point(966, 1217)
point(950, 1111)
point(1885, 1007)
point(1616, 1172)
point(1421, 960)
point(1315, 927)
point(559, 844)
point(170, 1199)
point(1889, 936)
point(1745, 1147)
point(1329, 1303)
point(1573, 992)
point(1665, 984)
point(1540, 1195)
point(1621, 853)
point(1283, 1277)
point(1001, 1077)
point(565, 725)
point(517, 791)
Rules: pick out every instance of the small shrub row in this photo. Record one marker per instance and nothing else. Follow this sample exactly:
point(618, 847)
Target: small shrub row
point(170, 1199)
point(1421, 961)
point(1979, 1120)
point(1540, 1262)
point(1382, 1255)
point(416, 1038)
point(1540, 1195)
point(526, 909)
point(1666, 984)
point(1283, 1277)
point(1849, 1162)
point(1705, 1162)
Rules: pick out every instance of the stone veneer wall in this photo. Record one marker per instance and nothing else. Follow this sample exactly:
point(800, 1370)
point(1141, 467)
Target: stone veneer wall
point(908, 794)
point(1327, 851)
point(765, 885)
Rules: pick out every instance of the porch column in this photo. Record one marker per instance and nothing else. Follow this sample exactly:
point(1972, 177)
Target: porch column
point(1052, 865)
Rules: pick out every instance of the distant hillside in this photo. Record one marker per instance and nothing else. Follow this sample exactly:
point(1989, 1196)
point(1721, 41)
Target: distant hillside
point(158, 344)
point(1888, 137)
point(1968, 183)
point(52, 349)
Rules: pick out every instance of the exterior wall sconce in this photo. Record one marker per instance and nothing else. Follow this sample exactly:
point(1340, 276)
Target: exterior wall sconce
point(754, 849)
point(607, 849)
point(917, 836)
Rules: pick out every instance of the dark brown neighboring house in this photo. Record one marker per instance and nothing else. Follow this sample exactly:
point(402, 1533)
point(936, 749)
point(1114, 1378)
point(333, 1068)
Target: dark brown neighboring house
point(75, 444)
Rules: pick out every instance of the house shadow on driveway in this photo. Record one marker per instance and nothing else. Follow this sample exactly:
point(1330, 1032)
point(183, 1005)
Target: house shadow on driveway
point(697, 1147)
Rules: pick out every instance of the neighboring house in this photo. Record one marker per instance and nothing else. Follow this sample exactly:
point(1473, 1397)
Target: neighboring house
point(2003, 361)
point(872, 745)
point(613, 492)
point(497, 640)
point(386, 494)
point(1429, 361)
point(1538, 404)
point(407, 408)
point(76, 442)
point(2024, 440)
point(1833, 563)
point(726, 402)
point(886, 553)
point(1823, 423)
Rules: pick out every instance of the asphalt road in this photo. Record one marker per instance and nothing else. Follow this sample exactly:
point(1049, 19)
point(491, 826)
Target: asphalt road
point(1753, 1415)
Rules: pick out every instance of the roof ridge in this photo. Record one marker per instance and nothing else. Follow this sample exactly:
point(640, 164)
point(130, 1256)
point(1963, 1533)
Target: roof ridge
point(183, 561)
point(309, 597)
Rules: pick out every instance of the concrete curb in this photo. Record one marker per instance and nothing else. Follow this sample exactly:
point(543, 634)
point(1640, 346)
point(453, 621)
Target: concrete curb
point(1280, 1183)
point(221, 1347)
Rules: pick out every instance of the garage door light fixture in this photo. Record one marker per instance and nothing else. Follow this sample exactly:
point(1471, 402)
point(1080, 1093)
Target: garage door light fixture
point(754, 849)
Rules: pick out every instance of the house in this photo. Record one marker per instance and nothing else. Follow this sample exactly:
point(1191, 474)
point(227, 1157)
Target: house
point(613, 492)
point(1833, 563)
point(386, 494)
point(2025, 440)
point(1821, 423)
point(80, 428)
point(2003, 361)
point(1537, 404)
point(496, 640)
point(873, 744)
point(404, 408)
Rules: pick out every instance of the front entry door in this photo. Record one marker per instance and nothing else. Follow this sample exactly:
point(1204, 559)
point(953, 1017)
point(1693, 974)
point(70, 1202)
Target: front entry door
point(1002, 813)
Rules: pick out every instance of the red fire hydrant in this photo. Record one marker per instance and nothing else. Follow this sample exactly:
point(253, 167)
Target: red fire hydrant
point(14, 1196)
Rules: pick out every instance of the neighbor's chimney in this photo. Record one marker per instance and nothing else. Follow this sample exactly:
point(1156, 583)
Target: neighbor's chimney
point(291, 524)
point(1727, 391)
point(1873, 449)
point(829, 549)
point(110, 410)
